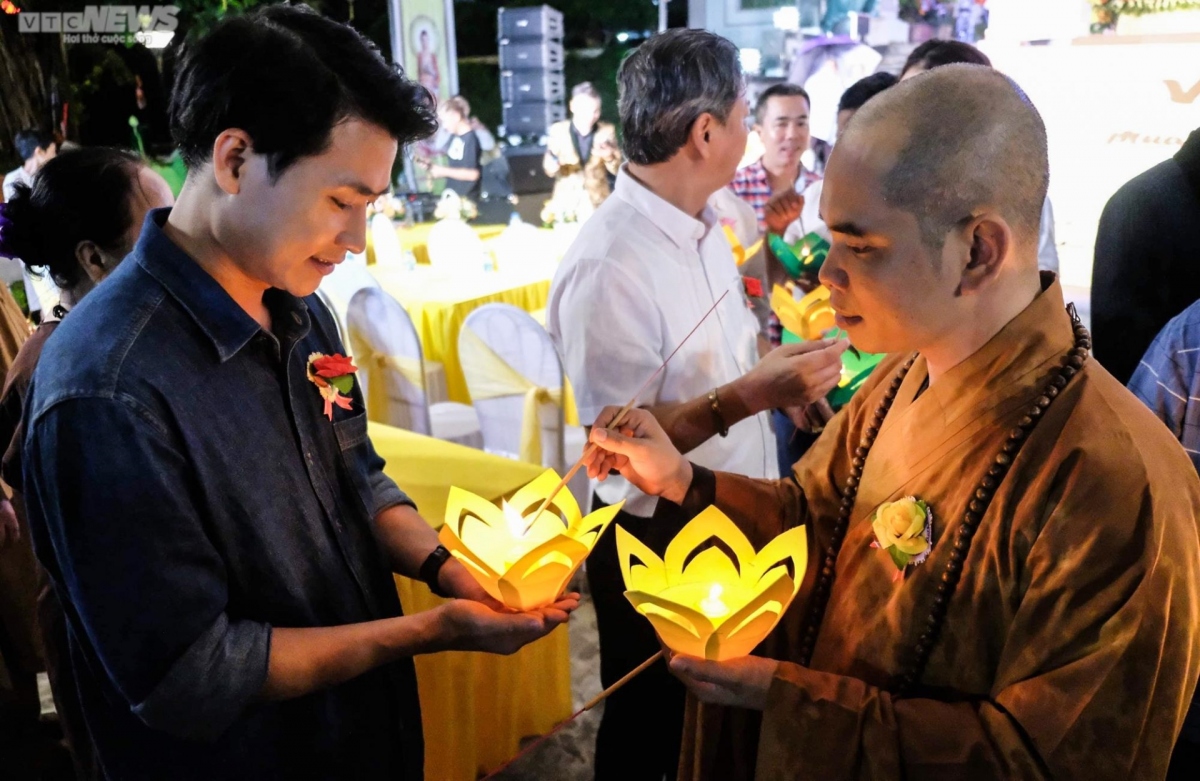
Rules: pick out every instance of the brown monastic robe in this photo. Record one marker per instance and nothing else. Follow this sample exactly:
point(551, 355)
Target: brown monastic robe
point(1072, 646)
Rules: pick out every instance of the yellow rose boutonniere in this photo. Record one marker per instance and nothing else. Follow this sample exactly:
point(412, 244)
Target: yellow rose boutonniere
point(904, 529)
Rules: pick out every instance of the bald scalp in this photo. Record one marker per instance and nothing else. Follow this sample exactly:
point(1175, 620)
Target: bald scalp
point(965, 137)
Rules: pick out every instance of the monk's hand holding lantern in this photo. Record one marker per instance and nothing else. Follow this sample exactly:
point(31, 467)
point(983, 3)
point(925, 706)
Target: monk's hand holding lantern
point(712, 599)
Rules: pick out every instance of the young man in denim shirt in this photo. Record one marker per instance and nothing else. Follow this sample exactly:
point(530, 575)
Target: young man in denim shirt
point(222, 540)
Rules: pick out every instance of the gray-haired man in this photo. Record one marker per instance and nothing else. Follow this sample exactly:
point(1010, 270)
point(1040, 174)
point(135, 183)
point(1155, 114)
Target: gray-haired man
point(643, 271)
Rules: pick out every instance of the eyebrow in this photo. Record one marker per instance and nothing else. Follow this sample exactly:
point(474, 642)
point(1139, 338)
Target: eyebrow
point(848, 228)
point(361, 188)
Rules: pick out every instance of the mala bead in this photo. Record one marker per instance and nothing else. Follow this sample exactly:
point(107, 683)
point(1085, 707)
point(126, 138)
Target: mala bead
point(976, 506)
point(1059, 382)
point(1003, 459)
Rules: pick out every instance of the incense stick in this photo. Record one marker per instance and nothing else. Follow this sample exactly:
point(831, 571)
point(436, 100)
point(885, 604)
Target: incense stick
point(599, 698)
point(587, 451)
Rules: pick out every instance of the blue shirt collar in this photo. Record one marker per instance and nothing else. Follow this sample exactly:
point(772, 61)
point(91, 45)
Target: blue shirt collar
point(214, 311)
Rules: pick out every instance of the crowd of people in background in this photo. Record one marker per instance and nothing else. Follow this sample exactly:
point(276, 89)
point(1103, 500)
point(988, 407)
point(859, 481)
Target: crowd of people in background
point(749, 411)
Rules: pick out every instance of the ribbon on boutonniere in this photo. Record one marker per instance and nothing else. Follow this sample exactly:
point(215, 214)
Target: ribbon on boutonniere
point(904, 529)
point(334, 377)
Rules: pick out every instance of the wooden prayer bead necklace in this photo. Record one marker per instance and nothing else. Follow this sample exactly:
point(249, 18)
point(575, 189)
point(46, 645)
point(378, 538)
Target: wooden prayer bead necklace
point(976, 509)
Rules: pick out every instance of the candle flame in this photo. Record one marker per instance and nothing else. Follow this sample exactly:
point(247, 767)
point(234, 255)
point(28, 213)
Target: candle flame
point(516, 522)
point(712, 606)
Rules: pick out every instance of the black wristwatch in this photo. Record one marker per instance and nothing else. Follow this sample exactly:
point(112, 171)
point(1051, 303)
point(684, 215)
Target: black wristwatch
point(431, 568)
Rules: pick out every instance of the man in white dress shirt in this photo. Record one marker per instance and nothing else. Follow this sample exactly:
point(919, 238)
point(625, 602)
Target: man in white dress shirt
point(641, 274)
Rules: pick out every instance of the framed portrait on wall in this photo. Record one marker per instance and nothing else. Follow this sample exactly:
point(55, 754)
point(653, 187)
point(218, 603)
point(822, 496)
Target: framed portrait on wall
point(423, 43)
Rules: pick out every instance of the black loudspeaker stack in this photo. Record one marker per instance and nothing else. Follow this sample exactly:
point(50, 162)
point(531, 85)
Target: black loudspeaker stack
point(532, 86)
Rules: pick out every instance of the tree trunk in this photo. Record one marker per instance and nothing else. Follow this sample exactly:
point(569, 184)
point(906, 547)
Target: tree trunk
point(31, 70)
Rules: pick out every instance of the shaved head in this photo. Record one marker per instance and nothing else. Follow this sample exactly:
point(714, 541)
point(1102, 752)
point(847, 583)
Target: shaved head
point(960, 139)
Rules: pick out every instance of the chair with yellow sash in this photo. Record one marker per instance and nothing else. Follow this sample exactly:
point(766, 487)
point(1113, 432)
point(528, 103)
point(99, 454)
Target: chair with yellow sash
point(394, 374)
point(515, 379)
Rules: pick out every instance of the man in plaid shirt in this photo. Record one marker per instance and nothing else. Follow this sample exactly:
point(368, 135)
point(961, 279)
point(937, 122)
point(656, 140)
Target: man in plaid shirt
point(1167, 380)
point(771, 186)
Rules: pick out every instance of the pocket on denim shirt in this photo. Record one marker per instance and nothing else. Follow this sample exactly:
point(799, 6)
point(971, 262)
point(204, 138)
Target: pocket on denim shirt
point(352, 442)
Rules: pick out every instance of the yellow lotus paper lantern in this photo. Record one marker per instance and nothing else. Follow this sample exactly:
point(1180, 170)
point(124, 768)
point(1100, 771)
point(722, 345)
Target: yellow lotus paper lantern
point(808, 318)
point(711, 596)
point(741, 254)
point(523, 562)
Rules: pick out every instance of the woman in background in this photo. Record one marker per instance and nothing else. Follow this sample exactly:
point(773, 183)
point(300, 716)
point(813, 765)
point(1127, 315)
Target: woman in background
point(79, 220)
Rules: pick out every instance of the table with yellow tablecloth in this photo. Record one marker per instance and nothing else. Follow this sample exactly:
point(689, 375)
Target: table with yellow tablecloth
point(415, 239)
point(475, 707)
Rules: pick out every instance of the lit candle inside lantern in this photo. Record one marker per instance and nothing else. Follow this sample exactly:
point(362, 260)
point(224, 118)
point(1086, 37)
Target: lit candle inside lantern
point(520, 561)
point(712, 606)
point(516, 528)
point(711, 595)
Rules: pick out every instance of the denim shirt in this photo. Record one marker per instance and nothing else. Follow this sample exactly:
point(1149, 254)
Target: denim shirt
point(186, 493)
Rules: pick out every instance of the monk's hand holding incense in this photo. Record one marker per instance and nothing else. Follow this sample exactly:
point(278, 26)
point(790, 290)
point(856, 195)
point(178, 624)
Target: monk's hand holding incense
point(641, 452)
point(741, 683)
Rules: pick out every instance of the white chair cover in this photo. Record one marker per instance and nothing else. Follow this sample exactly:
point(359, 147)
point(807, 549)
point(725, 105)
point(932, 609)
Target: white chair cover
point(393, 372)
point(338, 288)
point(389, 253)
point(513, 371)
point(453, 245)
point(341, 326)
point(520, 245)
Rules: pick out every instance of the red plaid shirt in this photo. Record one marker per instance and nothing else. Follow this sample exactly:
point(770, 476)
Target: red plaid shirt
point(754, 187)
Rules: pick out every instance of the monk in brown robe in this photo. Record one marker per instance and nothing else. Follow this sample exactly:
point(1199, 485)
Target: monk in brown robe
point(1054, 629)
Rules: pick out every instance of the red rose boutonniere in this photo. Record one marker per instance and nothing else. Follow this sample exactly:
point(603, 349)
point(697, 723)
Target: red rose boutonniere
point(754, 287)
point(334, 376)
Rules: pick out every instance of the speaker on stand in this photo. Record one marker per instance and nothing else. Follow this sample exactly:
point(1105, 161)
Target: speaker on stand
point(532, 89)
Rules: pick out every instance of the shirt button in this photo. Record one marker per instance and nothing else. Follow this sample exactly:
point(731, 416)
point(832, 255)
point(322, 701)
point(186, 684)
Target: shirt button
point(296, 317)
